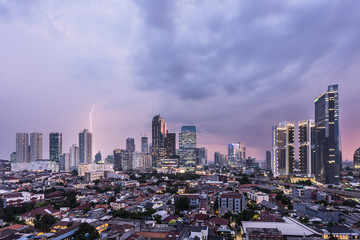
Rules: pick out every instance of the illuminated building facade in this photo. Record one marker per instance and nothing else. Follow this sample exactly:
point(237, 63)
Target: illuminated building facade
point(187, 148)
point(158, 150)
point(328, 160)
point(282, 156)
point(357, 159)
point(170, 144)
point(307, 147)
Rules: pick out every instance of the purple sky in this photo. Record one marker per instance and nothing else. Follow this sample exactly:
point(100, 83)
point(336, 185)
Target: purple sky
point(232, 68)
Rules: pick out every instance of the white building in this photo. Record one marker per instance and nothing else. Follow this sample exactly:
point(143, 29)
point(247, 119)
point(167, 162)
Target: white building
point(38, 165)
point(282, 155)
point(142, 161)
point(83, 168)
point(289, 228)
point(258, 197)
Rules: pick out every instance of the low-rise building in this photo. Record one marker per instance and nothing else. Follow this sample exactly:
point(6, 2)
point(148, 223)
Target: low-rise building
point(258, 197)
point(232, 201)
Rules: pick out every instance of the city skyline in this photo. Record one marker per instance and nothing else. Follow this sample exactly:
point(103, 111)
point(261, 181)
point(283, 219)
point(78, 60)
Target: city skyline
point(232, 86)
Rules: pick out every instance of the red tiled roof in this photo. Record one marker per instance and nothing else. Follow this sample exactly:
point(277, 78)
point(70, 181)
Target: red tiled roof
point(202, 217)
point(13, 227)
point(231, 195)
point(42, 211)
point(219, 221)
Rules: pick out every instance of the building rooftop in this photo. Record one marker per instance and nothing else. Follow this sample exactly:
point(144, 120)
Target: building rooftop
point(290, 227)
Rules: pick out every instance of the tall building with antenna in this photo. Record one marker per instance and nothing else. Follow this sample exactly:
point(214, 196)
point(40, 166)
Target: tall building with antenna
point(144, 144)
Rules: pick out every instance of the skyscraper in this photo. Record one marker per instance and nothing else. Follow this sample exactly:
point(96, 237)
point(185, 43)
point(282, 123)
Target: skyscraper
point(187, 148)
point(268, 160)
point(22, 147)
point(217, 158)
point(328, 160)
point(117, 159)
point(170, 145)
point(282, 157)
point(158, 140)
point(357, 159)
point(307, 147)
point(74, 156)
point(144, 145)
point(232, 153)
point(98, 157)
point(64, 163)
point(130, 144)
point(35, 146)
point(55, 146)
point(202, 152)
point(237, 153)
point(85, 146)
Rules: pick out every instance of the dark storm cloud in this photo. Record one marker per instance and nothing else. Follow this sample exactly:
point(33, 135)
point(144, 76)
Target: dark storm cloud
point(272, 44)
point(256, 53)
point(232, 68)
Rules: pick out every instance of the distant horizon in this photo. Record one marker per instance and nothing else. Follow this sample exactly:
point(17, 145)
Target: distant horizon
point(231, 68)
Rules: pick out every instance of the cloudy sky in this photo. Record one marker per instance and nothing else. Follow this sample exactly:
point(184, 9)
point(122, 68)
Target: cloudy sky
point(232, 68)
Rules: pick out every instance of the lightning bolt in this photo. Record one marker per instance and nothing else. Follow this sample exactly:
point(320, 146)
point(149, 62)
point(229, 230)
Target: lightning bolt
point(91, 113)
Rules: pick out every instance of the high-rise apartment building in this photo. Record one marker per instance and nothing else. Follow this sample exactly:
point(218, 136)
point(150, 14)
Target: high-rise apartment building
point(187, 148)
point(170, 145)
point(144, 145)
point(85, 147)
point(74, 156)
point(22, 147)
point(282, 156)
point(307, 147)
point(35, 146)
point(55, 146)
point(117, 159)
point(328, 160)
point(130, 144)
point(357, 159)
point(126, 160)
point(158, 140)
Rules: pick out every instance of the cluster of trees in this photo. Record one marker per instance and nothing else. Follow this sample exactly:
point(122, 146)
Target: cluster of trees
point(284, 199)
point(243, 180)
point(86, 231)
point(306, 182)
point(10, 213)
point(134, 215)
point(245, 215)
point(45, 222)
point(182, 204)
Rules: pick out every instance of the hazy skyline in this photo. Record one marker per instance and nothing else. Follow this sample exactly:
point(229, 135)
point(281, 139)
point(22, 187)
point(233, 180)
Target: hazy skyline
point(233, 69)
